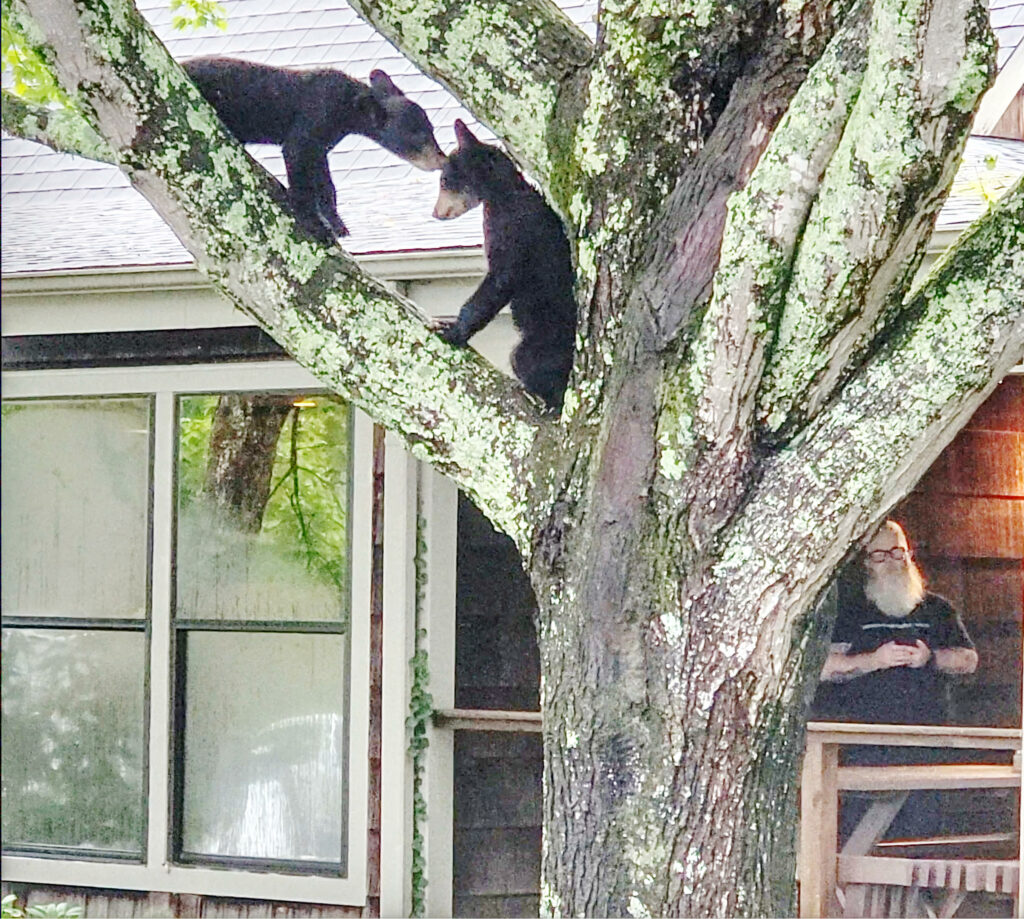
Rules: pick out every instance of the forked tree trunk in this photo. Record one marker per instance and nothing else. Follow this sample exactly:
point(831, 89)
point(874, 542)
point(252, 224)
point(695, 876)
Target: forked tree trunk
point(754, 388)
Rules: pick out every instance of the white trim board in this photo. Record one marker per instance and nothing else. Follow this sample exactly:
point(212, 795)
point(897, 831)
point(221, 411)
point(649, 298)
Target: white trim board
point(398, 628)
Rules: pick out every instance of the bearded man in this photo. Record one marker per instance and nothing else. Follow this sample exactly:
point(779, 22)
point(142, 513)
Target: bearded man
point(891, 647)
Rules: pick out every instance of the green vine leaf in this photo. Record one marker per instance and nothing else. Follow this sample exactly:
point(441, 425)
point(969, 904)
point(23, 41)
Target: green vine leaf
point(198, 14)
point(32, 79)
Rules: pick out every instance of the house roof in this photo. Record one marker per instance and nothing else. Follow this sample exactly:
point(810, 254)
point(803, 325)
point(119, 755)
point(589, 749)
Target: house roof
point(64, 213)
point(1007, 18)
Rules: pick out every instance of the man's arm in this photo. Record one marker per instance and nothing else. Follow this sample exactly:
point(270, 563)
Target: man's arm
point(954, 651)
point(841, 667)
point(956, 660)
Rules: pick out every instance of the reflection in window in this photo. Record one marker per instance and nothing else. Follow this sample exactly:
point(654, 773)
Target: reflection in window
point(75, 504)
point(73, 738)
point(261, 615)
point(262, 504)
point(264, 757)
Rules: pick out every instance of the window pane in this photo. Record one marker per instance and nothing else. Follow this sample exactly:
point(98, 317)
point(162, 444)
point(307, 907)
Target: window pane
point(76, 507)
point(264, 745)
point(73, 738)
point(263, 485)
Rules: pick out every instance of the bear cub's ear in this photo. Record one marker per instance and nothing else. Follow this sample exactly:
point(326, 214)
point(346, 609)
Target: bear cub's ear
point(464, 136)
point(382, 85)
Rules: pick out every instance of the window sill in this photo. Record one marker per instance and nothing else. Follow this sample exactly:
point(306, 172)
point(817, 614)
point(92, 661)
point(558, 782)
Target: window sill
point(180, 879)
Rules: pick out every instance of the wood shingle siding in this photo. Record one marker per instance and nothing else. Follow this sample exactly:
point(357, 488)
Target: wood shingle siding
point(965, 520)
point(498, 774)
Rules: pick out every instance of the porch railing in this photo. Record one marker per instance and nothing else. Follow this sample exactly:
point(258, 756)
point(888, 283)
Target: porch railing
point(823, 778)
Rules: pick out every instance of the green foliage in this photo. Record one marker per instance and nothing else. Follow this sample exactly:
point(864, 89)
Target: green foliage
point(9, 909)
point(306, 513)
point(197, 14)
point(421, 707)
point(32, 79)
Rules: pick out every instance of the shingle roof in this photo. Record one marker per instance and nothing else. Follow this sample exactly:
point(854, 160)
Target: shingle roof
point(1007, 17)
point(62, 213)
point(990, 166)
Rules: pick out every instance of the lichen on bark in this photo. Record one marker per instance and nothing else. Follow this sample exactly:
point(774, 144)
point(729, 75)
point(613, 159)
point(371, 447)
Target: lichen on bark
point(878, 200)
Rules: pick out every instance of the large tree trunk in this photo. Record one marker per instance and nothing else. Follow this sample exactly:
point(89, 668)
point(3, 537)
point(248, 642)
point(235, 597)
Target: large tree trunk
point(243, 448)
point(672, 741)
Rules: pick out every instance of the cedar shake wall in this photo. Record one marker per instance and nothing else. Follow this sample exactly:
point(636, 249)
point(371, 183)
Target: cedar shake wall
point(1011, 125)
point(376, 679)
point(498, 775)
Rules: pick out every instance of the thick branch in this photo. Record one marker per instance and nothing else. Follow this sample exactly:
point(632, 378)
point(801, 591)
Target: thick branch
point(507, 60)
point(929, 61)
point(659, 150)
point(62, 129)
point(452, 408)
point(888, 424)
point(706, 446)
point(649, 103)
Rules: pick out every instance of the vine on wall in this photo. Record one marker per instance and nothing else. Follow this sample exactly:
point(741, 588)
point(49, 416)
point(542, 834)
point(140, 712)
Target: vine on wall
point(421, 707)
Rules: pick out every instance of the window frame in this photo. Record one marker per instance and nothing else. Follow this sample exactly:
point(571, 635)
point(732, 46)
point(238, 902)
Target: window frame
point(157, 871)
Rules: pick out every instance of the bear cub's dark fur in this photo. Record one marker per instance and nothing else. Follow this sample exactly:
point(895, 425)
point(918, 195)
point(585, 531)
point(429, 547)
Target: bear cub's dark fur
point(529, 264)
point(307, 112)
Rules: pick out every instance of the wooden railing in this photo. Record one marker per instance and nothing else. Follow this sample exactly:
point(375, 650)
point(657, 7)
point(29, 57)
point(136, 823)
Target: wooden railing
point(823, 778)
point(483, 719)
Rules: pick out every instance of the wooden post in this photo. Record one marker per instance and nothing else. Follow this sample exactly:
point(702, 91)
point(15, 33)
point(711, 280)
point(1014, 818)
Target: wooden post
point(440, 509)
point(819, 829)
point(399, 608)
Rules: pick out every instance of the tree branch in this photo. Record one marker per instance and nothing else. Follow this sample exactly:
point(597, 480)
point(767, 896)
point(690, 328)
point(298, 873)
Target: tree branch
point(507, 60)
point(763, 225)
point(869, 446)
point(663, 143)
point(451, 407)
point(59, 128)
point(879, 198)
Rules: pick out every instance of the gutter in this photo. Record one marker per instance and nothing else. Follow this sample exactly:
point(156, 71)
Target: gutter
point(418, 265)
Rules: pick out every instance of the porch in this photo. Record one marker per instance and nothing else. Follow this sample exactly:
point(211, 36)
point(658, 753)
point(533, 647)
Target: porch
point(873, 876)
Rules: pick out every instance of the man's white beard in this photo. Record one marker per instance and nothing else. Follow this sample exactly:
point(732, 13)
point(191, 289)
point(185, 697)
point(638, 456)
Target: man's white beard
point(896, 593)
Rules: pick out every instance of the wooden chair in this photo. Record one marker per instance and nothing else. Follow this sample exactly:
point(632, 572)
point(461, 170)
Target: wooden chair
point(880, 887)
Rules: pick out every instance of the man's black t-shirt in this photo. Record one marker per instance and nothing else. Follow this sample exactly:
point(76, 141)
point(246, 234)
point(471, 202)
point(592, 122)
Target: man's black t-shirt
point(897, 695)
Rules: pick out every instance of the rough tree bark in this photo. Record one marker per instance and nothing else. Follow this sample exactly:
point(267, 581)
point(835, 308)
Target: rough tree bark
point(749, 187)
point(243, 447)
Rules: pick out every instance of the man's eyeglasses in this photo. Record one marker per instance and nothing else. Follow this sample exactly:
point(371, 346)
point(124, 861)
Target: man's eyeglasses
point(896, 553)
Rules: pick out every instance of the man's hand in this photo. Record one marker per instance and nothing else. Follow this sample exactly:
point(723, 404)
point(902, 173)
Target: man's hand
point(892, 654)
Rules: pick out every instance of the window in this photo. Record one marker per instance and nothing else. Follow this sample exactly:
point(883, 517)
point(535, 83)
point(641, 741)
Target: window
point(75, 534)
point(184, 631)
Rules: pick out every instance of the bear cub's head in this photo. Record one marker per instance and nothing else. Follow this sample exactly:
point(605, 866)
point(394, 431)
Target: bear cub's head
point(475, 172)
point(404, 128)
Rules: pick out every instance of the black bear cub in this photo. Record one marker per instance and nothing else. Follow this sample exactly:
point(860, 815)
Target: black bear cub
point(307, 112)
point(529, 265)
